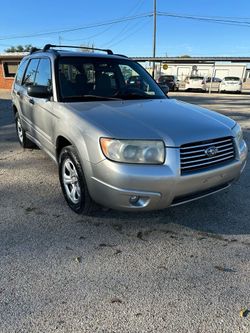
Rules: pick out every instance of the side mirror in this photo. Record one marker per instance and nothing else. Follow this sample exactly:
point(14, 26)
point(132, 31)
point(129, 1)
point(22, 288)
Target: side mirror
point(39, 91)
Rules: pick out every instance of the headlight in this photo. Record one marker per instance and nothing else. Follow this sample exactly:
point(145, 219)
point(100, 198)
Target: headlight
point(238, 134)
point(133, 151)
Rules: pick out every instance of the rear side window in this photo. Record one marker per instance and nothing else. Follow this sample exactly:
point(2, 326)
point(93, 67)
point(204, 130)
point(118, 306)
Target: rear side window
point(43, 74)
point(30, 73)
point(20, 71)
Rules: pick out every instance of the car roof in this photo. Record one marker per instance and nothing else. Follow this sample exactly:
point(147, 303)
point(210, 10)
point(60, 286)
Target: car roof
point(52, 53)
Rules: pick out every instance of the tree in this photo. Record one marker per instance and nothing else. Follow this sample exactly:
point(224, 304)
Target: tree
point(19, 48)
point(185, 56)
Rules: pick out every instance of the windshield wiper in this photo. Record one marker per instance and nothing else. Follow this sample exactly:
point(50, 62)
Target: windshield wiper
point(135, 96)
point(102, 97)
point(91, 97)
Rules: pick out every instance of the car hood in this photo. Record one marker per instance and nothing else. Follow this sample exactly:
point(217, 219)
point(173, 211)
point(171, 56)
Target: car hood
point(174, 122)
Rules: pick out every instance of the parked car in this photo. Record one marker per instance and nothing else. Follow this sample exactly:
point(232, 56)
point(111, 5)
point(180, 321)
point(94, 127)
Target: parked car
point(136, 81)
point(170, 80)
point(116, 144)
point(231, 84)
point(164, 88)
point(215, 84)
point(195, 83)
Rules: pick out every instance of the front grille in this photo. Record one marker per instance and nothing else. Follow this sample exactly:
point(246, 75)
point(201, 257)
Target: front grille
point(185, 198)
point(197, 155)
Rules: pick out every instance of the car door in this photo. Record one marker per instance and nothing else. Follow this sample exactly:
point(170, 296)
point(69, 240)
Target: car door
point(43, 116)
point(25, 104)
point(17, 90)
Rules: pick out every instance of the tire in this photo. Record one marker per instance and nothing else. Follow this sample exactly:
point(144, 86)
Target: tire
point(73, 182)
point(23, 140)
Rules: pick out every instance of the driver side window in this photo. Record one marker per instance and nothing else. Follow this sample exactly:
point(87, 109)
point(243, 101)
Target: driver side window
point(43, 74)
point(30, 73)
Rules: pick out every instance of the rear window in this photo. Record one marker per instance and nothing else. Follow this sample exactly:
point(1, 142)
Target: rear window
point(196, 78)
point(232, 78)
point(166, 78)
point(169, 77)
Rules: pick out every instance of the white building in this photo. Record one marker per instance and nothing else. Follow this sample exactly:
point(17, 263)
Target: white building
point(218, 70)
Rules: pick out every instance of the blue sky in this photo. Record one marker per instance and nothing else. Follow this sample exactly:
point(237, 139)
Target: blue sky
point(134, 38)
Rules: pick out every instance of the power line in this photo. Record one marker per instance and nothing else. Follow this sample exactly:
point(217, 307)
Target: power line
point(127, 26)
point(133, 10)
point(116, 21)
point(130, 34)
point(208, 19)
point(88, 37)
point(214, 19)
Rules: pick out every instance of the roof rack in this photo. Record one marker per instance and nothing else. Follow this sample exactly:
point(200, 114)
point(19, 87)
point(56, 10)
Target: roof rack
point(121, 55)
point(34, 49)
point(48, 46)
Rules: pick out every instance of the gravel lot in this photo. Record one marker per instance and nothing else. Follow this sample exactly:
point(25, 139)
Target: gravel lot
point(184, 269)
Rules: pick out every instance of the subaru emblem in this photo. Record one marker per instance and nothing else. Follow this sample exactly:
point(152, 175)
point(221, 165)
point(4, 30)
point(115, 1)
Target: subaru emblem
point(211, 151)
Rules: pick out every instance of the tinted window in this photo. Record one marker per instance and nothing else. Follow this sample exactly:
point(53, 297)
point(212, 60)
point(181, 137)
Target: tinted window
point(169, 77)
point(20, 71)
point(196, 77)
point(215, 79)
point(232, 78)
point(166, 78)
point(43, 73)
point(30, 74)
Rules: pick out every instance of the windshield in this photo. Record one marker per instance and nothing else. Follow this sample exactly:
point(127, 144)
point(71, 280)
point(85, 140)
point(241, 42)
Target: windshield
point(90, 79)
point(231, 78)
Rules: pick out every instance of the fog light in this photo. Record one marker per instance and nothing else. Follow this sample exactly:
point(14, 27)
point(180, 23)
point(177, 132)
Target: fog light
point(134, 199)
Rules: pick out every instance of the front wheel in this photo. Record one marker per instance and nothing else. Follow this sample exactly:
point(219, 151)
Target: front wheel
point(23, 140)
point(73, 182)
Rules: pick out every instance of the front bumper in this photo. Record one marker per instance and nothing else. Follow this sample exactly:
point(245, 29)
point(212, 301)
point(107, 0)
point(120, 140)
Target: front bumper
point(158, 186)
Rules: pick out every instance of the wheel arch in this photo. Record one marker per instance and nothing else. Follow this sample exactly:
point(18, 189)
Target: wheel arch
point(14, 109)
point(61, 142)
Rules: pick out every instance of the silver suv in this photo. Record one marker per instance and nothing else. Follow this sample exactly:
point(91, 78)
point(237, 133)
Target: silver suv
point(118, 144)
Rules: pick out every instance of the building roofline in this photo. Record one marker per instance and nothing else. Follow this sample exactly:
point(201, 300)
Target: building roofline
point(10, 55)
point(185, 60)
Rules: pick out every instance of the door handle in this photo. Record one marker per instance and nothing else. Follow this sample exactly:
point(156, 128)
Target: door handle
point(31, 101)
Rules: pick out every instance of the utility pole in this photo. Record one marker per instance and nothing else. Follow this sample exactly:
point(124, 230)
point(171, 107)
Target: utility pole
point(154, 38)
